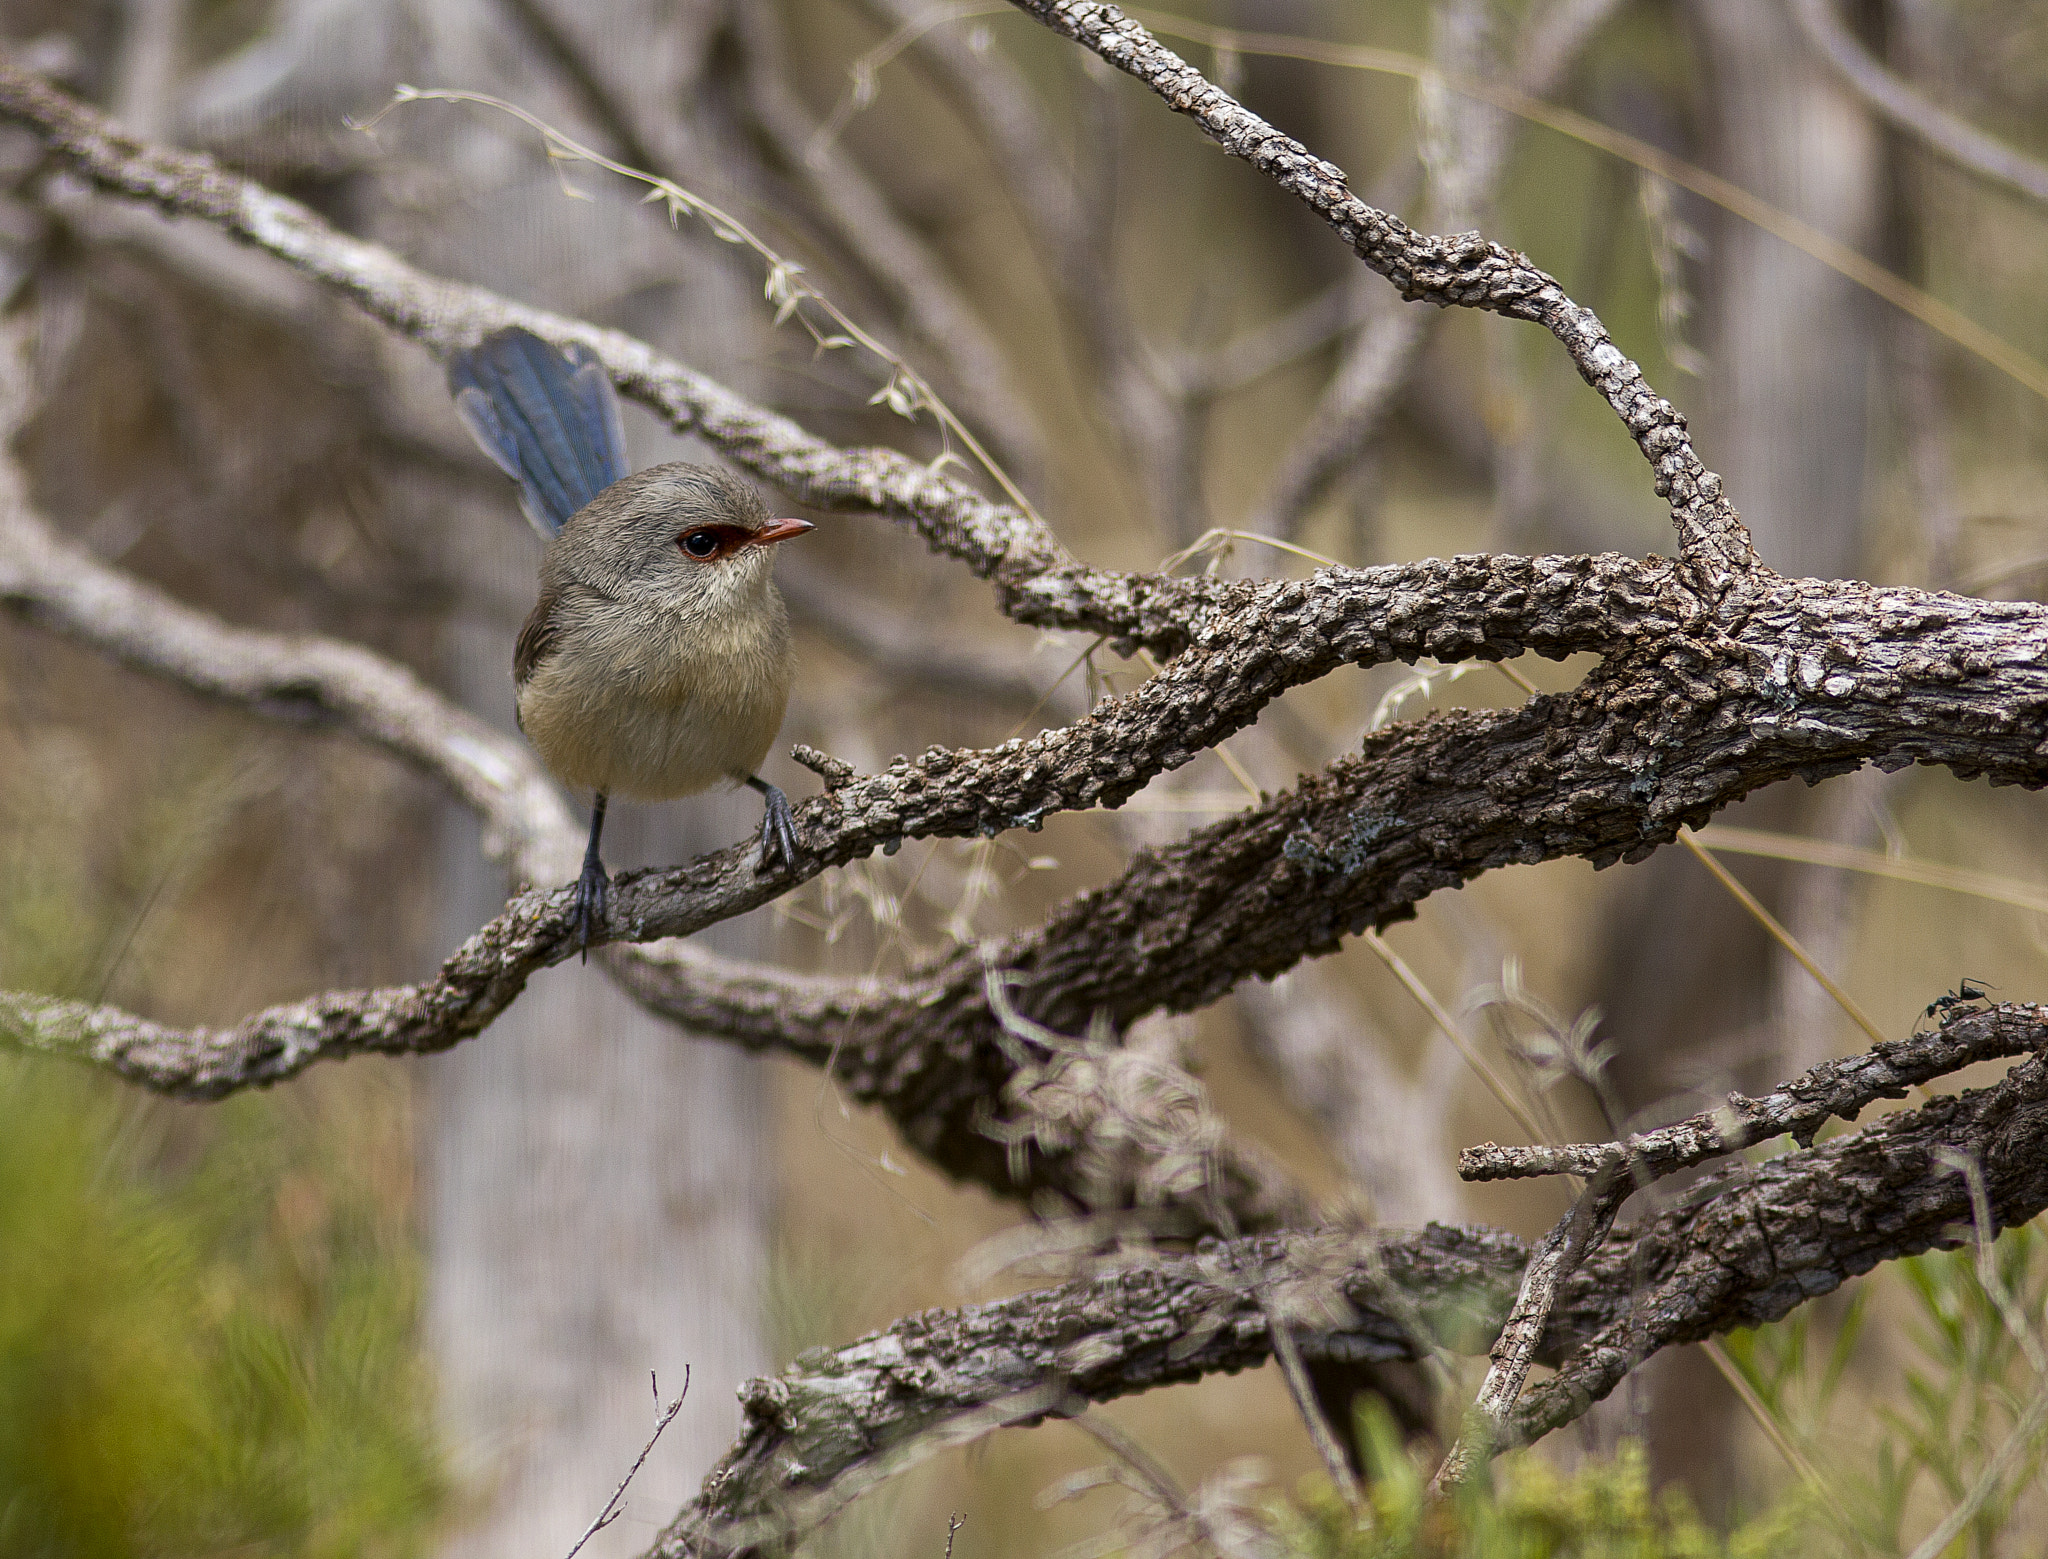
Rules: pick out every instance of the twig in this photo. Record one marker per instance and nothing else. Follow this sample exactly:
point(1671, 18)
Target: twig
point(1560, 1254)
point(1377, 367)
point(611, 1511)
point(1320, 1434)
point(1797, 1109)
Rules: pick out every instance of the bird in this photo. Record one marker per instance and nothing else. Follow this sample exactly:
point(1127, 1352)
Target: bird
point(656, 662)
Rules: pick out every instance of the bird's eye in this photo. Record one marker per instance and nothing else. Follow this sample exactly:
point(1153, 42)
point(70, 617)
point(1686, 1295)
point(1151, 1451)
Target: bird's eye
point(700, 543)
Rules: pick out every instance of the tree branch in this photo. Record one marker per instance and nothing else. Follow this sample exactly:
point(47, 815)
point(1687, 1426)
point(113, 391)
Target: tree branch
point(1181, 1317)
point(1797, 1109)
point(1462, 269)
point(1754, 1243)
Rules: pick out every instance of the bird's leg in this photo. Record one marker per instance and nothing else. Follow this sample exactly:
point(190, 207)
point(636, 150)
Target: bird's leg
point(593, 886)
point(778, 828)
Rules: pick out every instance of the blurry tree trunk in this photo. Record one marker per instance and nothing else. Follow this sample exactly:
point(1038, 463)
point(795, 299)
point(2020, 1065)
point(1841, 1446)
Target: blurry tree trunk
point(599, 1186)
point(1689, 990)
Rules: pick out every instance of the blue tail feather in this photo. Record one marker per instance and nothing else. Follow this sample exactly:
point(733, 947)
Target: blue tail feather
point(548, 418)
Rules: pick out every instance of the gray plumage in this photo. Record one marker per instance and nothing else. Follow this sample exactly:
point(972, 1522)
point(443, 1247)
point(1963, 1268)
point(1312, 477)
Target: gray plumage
point(656, 661)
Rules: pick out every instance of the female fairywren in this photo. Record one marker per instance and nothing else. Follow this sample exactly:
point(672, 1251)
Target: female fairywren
point(657, 660)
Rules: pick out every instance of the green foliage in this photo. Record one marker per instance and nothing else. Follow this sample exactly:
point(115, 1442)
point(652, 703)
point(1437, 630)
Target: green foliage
point(218, 1358)
point(1942, 1413)
point(1530, 1510)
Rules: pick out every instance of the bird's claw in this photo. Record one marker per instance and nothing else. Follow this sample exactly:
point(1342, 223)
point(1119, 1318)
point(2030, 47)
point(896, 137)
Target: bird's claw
point(779, 846)
point(592, 889)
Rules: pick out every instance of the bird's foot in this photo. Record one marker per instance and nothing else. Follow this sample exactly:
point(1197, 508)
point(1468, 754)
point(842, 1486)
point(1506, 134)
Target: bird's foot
point(779, 847)
point(592, 889)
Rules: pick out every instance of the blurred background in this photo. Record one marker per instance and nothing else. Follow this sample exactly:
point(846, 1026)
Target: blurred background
point(414, 1307)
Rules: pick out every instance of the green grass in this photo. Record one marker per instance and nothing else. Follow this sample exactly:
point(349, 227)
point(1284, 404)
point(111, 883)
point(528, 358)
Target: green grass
point(209, 1358)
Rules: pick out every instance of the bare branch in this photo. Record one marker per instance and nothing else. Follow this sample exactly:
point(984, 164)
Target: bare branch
point(1961, 143)
point(1689, 712)
point(1755, 1241)
point(1462, 187)
point(610, 1513)
point(832, 1414)
point(1797, 1109)
point(1462, 269)
point(1562, 1251)
point(1751, 1245)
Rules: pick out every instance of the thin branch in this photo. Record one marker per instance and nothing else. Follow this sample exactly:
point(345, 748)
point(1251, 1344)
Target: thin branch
point(1462, 269)
point(1798, 1109)
point(1562, 1251)
point(610, 1513)
point(1961, 143)
point(1742, 1249)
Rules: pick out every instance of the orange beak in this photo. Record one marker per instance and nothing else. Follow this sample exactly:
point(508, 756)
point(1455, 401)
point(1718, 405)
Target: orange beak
point(779, 530)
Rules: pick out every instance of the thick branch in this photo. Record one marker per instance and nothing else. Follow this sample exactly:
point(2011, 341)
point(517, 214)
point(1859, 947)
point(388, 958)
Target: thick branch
point(1754, 1244)
point(1462, 269)
point(1756, 1241)
point(1605, 773)
point(1182, 1317)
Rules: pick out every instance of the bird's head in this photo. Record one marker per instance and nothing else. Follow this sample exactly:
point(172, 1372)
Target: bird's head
point(681, 536)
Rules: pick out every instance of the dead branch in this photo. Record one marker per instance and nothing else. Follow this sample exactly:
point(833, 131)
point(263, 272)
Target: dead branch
point(1754, 1243)
point(1463, 269)
point(1797, 1109)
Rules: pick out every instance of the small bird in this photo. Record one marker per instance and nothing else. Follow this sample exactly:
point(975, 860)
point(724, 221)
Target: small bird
point(656, 662)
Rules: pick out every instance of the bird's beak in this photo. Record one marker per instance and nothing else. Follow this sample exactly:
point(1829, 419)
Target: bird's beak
point(780, 530)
